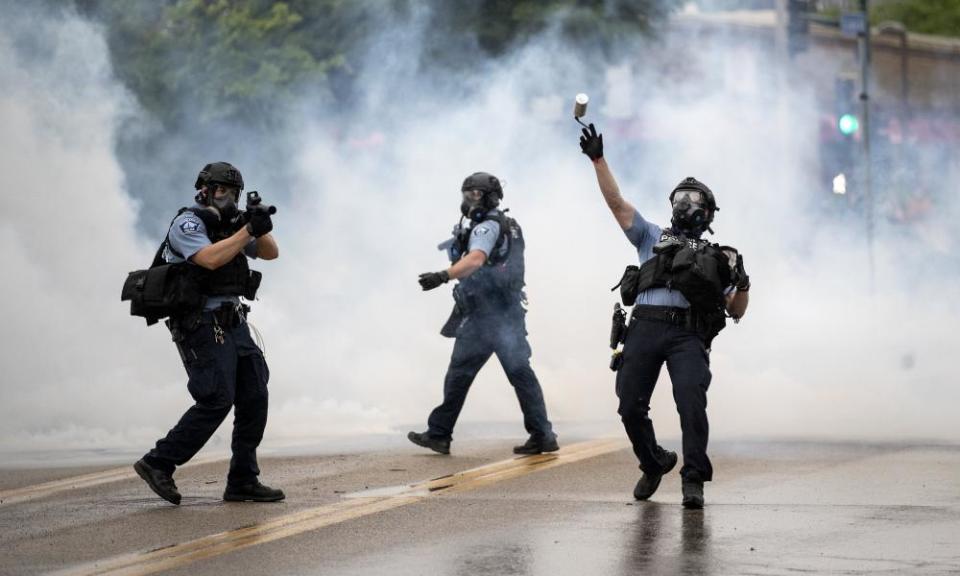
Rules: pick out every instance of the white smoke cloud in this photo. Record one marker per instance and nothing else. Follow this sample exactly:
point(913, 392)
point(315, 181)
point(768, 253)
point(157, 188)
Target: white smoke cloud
point(352, 341)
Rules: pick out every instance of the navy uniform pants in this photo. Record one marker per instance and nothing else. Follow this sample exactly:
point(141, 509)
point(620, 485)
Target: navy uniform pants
point(222, 375)
point(648, 345)
point(478, 338)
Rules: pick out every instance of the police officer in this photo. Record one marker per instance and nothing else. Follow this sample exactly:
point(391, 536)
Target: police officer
point(226, 369)
point(486, 253)
point(676, 316)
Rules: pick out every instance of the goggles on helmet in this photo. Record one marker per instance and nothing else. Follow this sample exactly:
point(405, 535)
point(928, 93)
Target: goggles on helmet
point(473, 194)
point(691, 196)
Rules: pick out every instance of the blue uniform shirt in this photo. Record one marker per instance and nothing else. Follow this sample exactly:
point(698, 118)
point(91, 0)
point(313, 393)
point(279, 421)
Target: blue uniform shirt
point(188, 235)
point(483, 236)
point(644, 235)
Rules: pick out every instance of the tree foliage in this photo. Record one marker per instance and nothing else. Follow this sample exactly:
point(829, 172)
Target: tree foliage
point(940, 17)
point(202, 62)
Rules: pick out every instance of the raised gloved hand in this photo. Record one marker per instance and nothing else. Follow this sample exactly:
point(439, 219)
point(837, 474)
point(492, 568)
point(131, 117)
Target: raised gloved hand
point(258, 222)
point(591, 143)
point(430, 280)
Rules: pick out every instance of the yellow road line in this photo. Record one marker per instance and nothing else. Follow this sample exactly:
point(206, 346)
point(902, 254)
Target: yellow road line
point(179, 555)
point(26, 493)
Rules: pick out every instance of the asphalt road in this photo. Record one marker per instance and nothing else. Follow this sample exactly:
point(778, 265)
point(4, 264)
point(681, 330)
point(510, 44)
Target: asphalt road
point(782, 508)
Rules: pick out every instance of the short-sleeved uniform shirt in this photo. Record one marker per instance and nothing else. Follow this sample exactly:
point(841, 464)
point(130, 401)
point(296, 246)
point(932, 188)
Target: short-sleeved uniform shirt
point(483, 237)
point(644, 235)
point(187, 236)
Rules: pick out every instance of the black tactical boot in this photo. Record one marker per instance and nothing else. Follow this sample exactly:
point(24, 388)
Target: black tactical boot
point(424, 439)
point(692, 494)
point(537, 445)
point(252, 492)
point(159, 481)
point(649, 483)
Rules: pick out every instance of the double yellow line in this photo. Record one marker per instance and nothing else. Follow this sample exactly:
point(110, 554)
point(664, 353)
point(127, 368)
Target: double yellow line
point(17, 495)
point(314, 518)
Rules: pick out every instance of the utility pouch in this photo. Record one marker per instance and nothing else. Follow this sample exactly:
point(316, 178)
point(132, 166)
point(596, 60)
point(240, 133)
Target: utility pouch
point(252, 285)
point(684, 259)
point(629, 285)
point(161, 291)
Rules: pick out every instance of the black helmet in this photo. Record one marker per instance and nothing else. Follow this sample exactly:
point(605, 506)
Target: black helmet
point(492, 191)
point(484, 182)
point(693, 210)
point(219, 173)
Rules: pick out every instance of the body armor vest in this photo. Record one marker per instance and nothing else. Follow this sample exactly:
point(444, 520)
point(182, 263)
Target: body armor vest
point(500, 281)
point(697, 268)
point(233, 278)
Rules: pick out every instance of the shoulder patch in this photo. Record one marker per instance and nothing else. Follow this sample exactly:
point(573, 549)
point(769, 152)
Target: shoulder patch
point(481, 230)
point(190, 226)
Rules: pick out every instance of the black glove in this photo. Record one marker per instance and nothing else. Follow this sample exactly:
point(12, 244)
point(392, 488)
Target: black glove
point(258, 222)
point(591, 143)
point(430, 280)
point(743, 281)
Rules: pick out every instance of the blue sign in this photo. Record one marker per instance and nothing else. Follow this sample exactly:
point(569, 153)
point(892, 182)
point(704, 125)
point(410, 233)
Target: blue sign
point(853, 23)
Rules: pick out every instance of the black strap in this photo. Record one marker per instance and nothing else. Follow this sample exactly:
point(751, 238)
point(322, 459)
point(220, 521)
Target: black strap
point(158, 259)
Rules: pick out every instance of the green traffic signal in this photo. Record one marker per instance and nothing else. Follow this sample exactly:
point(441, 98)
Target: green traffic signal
point(848, 124)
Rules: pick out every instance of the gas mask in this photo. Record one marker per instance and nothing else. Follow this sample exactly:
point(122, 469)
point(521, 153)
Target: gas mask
point(690, 213)
point(473, 205)
point(226, 205)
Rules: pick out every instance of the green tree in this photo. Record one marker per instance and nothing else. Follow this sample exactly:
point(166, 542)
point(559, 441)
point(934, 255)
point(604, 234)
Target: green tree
point(939, 17)
point(204, 62)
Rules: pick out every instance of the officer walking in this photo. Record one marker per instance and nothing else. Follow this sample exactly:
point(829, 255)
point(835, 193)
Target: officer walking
point(486, 253)
point(226, 369)
point(682, 291)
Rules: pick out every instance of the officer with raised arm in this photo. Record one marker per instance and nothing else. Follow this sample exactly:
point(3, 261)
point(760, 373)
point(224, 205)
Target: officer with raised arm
point(682, 291)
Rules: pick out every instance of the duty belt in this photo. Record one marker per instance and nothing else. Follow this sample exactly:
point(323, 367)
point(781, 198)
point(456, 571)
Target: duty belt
point(228, 315)
point(682, 317)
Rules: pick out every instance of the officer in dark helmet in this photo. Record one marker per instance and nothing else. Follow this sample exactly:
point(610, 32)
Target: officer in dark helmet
point(226, 369)
point(486, 255)
point(682, 292)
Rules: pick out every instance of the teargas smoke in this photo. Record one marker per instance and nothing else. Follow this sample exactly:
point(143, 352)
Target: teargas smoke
point(353, 343)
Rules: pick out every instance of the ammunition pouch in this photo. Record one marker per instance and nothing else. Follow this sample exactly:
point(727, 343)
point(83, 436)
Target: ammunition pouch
point(161, 291)
point(629, 285)
point(701, 273)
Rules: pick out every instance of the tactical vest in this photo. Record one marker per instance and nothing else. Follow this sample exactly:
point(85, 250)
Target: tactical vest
point(697, 268)
point(233, 278)
point(500, 282)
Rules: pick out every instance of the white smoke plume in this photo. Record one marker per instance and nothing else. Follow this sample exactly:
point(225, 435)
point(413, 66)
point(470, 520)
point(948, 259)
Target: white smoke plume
point(352, 341)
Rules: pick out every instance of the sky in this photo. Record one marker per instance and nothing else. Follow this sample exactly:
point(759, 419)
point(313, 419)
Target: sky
point(352, 342)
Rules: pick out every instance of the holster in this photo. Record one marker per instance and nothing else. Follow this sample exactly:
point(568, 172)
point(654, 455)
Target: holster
point(618, 330)
point(183, 324)
point(457, 315)
point(450, 327)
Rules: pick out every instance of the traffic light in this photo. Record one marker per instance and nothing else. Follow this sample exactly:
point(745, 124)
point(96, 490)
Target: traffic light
point(844, 106)
point(839, 142)
point(848, 124)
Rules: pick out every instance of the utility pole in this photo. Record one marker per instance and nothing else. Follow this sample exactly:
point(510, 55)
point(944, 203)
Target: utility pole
point(865, 112)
